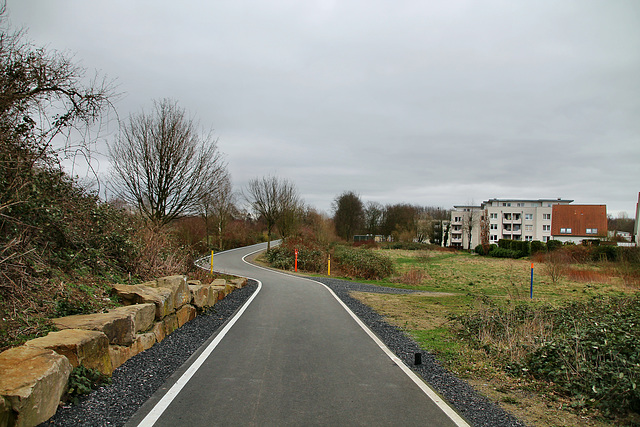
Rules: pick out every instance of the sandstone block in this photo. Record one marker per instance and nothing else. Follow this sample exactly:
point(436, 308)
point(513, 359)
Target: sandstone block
point(119, 354)
point(223, 291)
point(240, 282)
point(159, 331)
point(81, 347)
point(32, 381)
point(141, 294)
point(178, 285)
point(194, 282)
point(118, 327)
point(219, 282)
point(6, 414)
point(212, 296)
point(199, 295)
point(185, 314)
point(146, 340)
point(170, 324)
point(143, 315)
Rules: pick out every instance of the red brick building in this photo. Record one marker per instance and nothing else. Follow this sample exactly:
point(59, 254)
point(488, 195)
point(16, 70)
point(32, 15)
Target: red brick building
point(575, 223)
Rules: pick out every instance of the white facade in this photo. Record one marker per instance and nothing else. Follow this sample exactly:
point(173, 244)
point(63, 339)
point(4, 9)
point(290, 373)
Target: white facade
point(513, 219)
point(465, 222)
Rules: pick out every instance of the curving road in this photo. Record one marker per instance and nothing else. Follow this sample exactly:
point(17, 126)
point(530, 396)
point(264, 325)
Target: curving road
point(293, 355)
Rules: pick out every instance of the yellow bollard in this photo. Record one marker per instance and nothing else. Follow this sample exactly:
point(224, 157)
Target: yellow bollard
point(211, 261)
point(329, 266)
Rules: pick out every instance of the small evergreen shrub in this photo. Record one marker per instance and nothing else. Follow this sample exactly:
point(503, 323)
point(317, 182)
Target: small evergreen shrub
point(552, 245)
point(538, 247)
point(82, 380)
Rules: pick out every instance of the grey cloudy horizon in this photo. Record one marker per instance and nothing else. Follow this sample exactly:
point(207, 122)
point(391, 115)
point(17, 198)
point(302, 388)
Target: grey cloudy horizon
point(428, 103)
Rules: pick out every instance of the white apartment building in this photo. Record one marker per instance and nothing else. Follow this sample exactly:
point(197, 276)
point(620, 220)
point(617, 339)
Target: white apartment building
point(513, 219)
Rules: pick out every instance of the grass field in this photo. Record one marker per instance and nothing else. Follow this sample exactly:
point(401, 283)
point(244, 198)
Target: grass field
point(456, 284)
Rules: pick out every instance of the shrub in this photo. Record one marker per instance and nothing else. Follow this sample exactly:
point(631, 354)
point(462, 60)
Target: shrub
point(413, 277)
point(407, 246)
point(552, 245)
point(594, 356)
point(82, 380)
point(537, 246)
point(311, 255)
point(363, 263)
point(607, 252)
point(498, 252)
point(520, 248)
point(586, 350)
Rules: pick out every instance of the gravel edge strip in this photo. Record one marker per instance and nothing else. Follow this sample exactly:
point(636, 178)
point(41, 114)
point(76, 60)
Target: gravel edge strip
point(475, 408)
point(138, 378)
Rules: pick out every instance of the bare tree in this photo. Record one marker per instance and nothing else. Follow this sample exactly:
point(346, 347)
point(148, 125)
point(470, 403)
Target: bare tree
point(348, 215)
point(469, 224)
point(218, 205)
point(163, 165)
point(373, 213)
point(43, 95)
point(485, 230)
point(274, 199)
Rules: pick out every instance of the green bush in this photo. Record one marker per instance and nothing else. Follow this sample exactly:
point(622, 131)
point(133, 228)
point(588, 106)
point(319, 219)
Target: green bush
point(311, 255)
point(522, 247)
point(82, 380)
point(610, 252)
point(484, 249)
point(590, 353)
point(537, 247)
point(498, 252)
point(594, 355)
point(362, 263)
point(552, 245)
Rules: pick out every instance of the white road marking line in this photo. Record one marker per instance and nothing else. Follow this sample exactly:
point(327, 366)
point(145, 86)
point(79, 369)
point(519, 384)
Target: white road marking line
point(166, 400)
point(426, 389)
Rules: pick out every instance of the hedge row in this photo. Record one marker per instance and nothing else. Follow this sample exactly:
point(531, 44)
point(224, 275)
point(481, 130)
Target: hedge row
point(518, 249)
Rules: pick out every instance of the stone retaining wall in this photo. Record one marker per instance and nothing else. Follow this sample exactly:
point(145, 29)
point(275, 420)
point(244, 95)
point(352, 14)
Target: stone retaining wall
point(34, 376)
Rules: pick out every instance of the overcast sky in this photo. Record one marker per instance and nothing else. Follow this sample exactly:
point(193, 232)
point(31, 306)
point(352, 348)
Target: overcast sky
point(426, 102)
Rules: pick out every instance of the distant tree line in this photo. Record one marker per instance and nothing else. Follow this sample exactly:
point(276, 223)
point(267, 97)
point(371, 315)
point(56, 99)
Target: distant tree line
point(401, 222)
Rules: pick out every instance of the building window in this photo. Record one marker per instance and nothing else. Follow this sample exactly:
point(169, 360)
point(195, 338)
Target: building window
point(528, 228)
point(528, 238)
point(493, 237)
point(507, 216)
point(457, 219)
point(528, 216)
point(520, 205)
point(516, 217)
point(494, 226)
point(565, 231)
point(546, 216)
point(545, 238)
point(592, 231)
point(506, 204)
point(546, 228)
point(493, 216)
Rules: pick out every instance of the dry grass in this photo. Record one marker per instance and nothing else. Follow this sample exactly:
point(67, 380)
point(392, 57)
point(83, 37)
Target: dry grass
point(464, 279)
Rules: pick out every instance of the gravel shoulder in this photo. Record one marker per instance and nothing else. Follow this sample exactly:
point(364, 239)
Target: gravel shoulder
point(139, 378)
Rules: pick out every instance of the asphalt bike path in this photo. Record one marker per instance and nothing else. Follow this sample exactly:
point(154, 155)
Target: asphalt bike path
point(292, 355)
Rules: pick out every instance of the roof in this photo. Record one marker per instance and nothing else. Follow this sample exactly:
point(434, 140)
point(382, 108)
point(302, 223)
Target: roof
point(579, 218)
point(558, 199)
